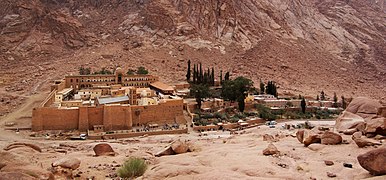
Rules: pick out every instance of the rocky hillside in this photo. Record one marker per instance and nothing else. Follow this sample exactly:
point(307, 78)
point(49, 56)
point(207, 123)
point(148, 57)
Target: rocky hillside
point(304, 45)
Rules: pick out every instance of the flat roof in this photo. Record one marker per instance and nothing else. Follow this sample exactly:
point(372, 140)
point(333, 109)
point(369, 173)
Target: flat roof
point(162, 86)
point(112, 100)
point(65, 91)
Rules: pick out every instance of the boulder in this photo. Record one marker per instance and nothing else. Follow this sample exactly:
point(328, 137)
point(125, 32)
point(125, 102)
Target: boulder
point(314, 138)
point(382, 111)
point(350, 131)
point(180, 147)
point(33, 171)
point(347, 120)
point(167, 151)
point(363, 106)
point(376, 126)
point(70, 163)
point(16, 175)
point(269, 138)
point(363, 141)
point(271, 150)
point(103, 149)
point(18, 145)
point(299, 135)
point(331, 138)
point(328, 163)
point(374, 161)
point(316, 147)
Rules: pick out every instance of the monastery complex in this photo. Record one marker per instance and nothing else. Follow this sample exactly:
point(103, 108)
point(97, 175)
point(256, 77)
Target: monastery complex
point(108, 102)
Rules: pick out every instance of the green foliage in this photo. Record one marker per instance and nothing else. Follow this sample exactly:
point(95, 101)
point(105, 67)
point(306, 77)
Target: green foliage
point(222, 116)
point(133, 167)
point(265, 112)
point(237, 90)
point(322, 96)
point(303, 105)
point(103, 71)
point(199, 91)
point(188, 73)
point(201, 122)
point(262, 87)
point(344, 104)
point(323, 114)
point(84, 71)
point(130, 72)
point(271, 88)
point(142, 70)
point(240, 115)
point(227, 76)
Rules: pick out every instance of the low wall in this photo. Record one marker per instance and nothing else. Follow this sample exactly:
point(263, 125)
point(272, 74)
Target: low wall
point(136, 134)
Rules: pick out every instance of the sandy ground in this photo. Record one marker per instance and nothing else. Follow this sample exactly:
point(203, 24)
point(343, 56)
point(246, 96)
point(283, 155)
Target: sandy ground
point(217, 156)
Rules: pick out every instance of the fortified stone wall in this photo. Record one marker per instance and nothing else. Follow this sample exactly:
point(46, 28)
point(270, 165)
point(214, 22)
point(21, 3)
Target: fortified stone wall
point(118, 117)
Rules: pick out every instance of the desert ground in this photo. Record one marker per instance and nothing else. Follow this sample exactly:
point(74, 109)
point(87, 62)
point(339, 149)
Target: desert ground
point(218, 155)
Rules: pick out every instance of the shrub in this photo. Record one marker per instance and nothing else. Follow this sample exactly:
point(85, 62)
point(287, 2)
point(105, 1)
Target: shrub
point(133, 167)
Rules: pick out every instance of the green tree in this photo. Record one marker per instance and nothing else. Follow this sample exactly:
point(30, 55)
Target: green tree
point(303, 105)
point(237, 90)
point(142, 70)
point(134, 167)
point(212, 76)
point(344, 104)
point(84, 71)
point(322, 96)
point(262, 87)
point(194, 74)
point(317, 97)
point(227, 76)
point(335, 100)
point(130, 72)
point(201, 76)
point(199, 92)
point(221, 77)
point(188, 73)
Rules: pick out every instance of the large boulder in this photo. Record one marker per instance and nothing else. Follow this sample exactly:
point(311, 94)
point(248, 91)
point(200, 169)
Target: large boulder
point(165, 152)
point(300, 135)
point(363, 106)
point(70, 163)
point(103, 149)
point(31, 170)
point(331, 138)
point(268, 137)
point(376, 126)
point(271, 150)
point(348, 120)
point(363, 141)
point(180, 147)
point(374, 161)
point(310, 137)
point(19, 145)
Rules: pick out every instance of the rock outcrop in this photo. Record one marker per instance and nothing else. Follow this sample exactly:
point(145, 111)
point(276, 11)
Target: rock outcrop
point(331, 138)
point(176, 147)
point(70, 163)
point(103, 149)
point(271, 150)
point(18, 145)
point(361, 141)
point(374, 161)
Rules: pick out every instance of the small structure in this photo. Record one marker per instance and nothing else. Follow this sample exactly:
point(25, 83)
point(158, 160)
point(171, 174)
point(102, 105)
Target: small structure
point(162, 88)
point(112, 100)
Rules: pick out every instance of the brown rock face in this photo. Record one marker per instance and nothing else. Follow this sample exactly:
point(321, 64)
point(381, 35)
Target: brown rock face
point(70, 163)
point(269, 138)
point(363, 106)
point(103, 150)
point(348, 120)
point(374, 161)
point(166, 152)
point(312, 139)
point(299, 135)
point(363, 141)
point(331, 138)
point(376, 126)
point(179, 147)
point(16, 175)
point(18, 145)
point(271, 150)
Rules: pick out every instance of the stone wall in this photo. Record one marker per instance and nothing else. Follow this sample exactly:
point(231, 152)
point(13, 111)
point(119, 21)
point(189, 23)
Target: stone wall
point(114, 117)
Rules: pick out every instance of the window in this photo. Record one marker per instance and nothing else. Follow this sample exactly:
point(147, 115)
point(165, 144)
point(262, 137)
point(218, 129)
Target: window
point(70, 80)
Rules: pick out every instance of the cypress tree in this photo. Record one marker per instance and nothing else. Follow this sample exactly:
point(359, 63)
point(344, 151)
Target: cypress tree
point(188, 72)
point(201, 76)
point(226, 78)
point(303, 105)
point(343, 102)
point(262, 87)
point(221, 77)
point(194, 74)
point(212, 76)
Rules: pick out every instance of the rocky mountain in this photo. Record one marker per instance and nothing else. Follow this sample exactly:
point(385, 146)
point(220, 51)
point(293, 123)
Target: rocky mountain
point(304, 45)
